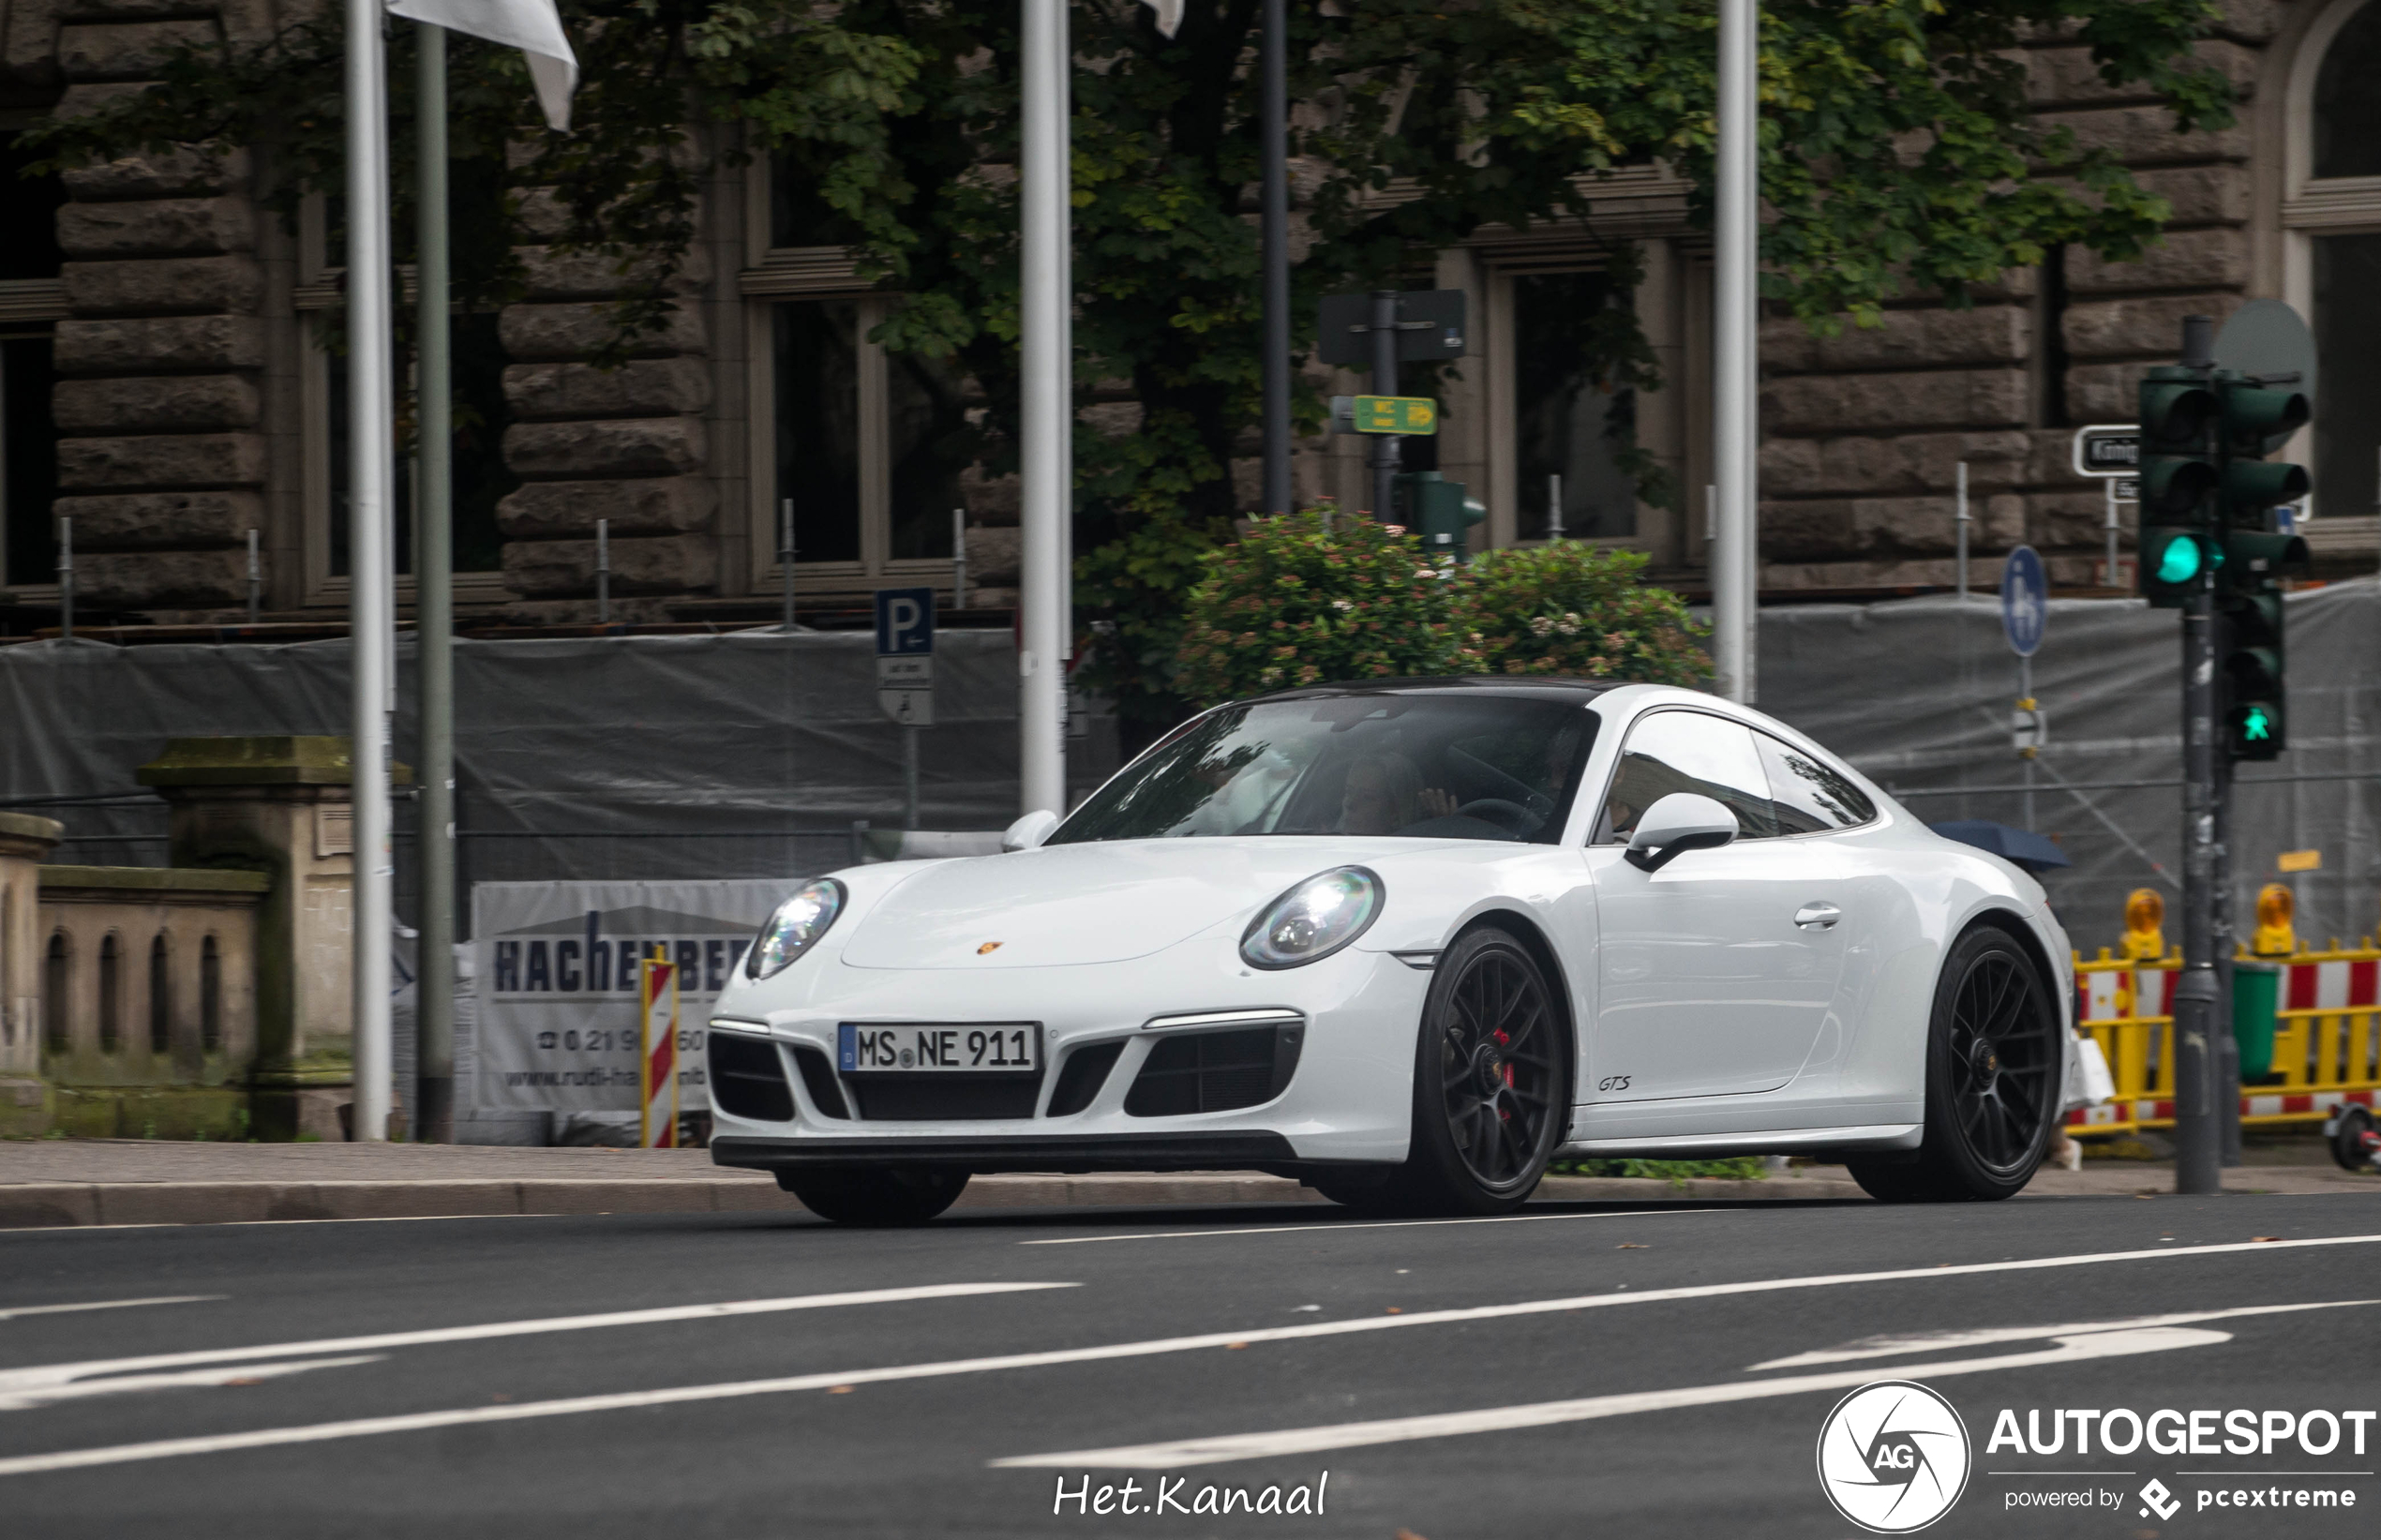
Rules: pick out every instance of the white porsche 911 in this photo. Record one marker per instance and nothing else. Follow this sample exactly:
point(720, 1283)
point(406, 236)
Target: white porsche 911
point(1407, 942)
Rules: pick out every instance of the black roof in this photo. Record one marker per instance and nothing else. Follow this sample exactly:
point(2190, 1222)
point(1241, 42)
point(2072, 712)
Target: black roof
point(1518, 686)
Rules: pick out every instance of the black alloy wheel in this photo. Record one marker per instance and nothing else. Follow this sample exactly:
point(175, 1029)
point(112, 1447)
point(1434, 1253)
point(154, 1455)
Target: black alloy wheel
point(1491, 1085)
point(1992, 1080)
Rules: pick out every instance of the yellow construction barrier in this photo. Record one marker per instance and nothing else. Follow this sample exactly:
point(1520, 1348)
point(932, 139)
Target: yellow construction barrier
point(2327, 1036)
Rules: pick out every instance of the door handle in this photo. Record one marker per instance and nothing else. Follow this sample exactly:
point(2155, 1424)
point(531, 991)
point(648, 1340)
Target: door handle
point(1816, 917)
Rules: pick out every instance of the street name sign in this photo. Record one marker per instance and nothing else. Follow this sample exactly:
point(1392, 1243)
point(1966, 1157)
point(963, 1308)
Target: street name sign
point(2108, 449)
point(2025, 600)
point(906, 655)
point(1394, 415)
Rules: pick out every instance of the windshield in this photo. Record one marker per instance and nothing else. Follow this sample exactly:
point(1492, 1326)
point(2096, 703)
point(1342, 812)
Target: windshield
point(1467, 767)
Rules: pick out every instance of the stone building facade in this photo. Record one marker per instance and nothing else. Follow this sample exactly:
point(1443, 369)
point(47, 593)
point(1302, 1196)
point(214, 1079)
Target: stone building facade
point(164, 389)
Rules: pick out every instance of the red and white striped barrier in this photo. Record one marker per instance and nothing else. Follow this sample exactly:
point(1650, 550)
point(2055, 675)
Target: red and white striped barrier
point(658, 1122)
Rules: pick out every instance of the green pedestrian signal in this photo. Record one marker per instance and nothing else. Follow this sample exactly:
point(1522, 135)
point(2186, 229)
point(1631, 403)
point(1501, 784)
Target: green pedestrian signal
point(2255, 724)
point(2253, 420)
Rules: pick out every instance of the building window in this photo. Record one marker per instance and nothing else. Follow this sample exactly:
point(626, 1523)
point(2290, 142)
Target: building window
point(2332, 211)
point(868, 447)
point(1567, 422)
point(210, 995)
point(30, 301)
point(161, 998)
point(2347, 108)
point(2347, 341)
point(57, 995)
point(110, 995)
point(480, 478)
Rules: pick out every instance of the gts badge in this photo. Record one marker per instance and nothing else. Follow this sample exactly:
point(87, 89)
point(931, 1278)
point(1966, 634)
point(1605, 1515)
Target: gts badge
point(1613, 1083)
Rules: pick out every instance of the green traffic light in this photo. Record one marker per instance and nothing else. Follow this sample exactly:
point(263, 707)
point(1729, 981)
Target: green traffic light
point(2180, 561)
point(2255, 725)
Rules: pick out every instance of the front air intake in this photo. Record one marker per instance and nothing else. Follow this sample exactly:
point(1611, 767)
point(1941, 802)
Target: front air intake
point(748, 1079)
point(1214, 1071)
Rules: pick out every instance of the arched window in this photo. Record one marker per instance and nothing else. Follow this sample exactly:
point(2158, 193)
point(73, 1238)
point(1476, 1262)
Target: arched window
point(2347, 106)
point(2331, 209)
point(111, 994)
point(57, 995)
point(210, 996)
point(161, 998)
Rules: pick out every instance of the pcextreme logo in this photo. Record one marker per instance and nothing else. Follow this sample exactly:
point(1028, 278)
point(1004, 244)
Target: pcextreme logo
point(1892, 1456)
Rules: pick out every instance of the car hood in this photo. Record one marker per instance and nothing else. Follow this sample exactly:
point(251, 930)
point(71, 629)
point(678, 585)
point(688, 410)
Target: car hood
point(1069, 905)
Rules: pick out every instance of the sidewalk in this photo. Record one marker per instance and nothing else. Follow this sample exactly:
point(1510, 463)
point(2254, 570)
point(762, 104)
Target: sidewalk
point(112, 1181)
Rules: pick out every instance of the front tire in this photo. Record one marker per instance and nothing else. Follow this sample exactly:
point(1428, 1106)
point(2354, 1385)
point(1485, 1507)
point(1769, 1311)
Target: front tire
point(1993, 1064)
point(1492, 1083)
point(874, 1196)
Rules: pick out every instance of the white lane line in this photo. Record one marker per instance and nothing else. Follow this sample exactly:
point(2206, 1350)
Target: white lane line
point(15, 1383)
point(1365, 1224)
point(237, 1224)
point(465, 1416)
point(12, 1312)
point(1303, 1441)
point(223, 1374)
point(1886, 1347)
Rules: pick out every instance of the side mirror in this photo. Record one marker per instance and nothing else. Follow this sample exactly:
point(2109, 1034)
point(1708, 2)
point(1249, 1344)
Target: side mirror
point(1676, 823)
point(1035, 827)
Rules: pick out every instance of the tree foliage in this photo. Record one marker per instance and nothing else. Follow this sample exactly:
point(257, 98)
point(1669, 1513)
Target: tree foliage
point(1897, 156)
point(1570, 607)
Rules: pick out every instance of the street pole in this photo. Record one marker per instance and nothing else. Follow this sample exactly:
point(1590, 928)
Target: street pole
point(369, 603)
point(909, 774)
point(958, 558)
point(1960, 522)
point(2198, 1142)
point(1045, 407)
point(786, 557)
point(434, 616)
point(256, 579)
point(2026, 702)
point(1734, 423)
point(1384, 445)
point(1275, 131)
point(1553, 508)
point(2108, 486)
point(66, 578)
point(2227, 1045)
point(603, 572)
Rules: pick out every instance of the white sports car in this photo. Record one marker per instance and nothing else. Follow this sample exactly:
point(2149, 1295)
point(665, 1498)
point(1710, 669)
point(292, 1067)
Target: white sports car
point(1407, 942)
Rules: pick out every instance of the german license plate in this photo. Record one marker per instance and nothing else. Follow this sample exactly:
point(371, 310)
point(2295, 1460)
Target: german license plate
point(988, 1048)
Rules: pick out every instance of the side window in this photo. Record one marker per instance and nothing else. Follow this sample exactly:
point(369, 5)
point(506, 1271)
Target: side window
point(1687, 751)
point(1810, 797)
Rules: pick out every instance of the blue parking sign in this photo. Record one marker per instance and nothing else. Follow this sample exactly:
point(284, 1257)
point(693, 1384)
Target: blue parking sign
point(2025, 600)
point(905, 623)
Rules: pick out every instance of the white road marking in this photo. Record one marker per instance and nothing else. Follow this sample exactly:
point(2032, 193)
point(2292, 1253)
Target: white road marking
point(1886, 1347)
point(1307, 1440)
point(223, 1374)
point(12, 1312)
point(464, 1416)
point(18, 1384)
point(1363, 1224)
point(236, 1224)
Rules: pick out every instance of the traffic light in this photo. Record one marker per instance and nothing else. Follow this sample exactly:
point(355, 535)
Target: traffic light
point(2253, 421)
point(2178, 477)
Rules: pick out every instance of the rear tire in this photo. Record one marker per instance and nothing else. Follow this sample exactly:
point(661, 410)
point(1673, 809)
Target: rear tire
point(1993, 1066)
point(1491, 1085)
point(876, 1197)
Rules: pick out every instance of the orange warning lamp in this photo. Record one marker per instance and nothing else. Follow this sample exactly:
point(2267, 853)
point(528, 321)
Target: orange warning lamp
point(2276, 904)
point(2145, 913)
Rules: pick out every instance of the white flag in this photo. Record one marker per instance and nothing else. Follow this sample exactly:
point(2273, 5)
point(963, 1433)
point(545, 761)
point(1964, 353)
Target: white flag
point(1169, 15)
point(533, 26)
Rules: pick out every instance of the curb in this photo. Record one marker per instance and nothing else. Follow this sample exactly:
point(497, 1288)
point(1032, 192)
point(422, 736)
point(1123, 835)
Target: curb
point(69, 1205)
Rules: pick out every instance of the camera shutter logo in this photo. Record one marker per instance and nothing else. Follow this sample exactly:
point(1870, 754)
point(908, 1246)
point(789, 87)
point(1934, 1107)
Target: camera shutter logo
point(1892, 1456)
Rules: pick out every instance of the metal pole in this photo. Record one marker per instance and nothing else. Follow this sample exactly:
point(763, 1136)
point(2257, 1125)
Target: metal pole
point(786, 555)
point(66, 578)
point(2109, 484)
point(1384, 445)
point(2227, 1045)
point(2026, 702)
point(1275, 133)
point(370, 604)
point(256, 580)
point(958, 558)
point(1734, 425)
point(2198, 1137)
point(1961, 521)
point(1045, 406)
point(434, 614)
point(909, 775)
point(1553, 509)
point(603, 572)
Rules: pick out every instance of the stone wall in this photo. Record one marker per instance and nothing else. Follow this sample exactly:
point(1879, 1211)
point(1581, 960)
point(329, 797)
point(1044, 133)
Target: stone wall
point(1862, 433)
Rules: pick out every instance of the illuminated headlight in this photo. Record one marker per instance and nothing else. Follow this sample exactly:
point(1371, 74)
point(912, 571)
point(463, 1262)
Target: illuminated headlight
point(1313, 919)
point(795, 928)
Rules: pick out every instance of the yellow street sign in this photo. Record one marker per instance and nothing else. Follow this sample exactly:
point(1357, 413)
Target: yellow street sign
point(1395, 414)
point(2301, 860)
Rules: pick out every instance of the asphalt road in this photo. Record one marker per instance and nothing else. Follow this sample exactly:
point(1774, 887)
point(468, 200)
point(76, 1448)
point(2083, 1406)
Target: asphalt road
point(1603, 1372)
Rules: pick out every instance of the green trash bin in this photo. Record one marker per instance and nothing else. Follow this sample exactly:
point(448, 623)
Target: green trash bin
point(2256, 995)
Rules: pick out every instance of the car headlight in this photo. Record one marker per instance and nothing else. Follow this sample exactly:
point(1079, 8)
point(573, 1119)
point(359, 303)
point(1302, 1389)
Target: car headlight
point(1313, 919)
point(795, 928)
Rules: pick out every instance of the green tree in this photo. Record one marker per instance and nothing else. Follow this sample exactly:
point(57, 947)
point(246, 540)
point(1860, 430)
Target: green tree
point(1571, 607)
point(1897, 156)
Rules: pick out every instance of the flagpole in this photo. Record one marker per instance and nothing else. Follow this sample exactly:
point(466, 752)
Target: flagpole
point(1044, 408)
point(434, 614)
point(369, 606)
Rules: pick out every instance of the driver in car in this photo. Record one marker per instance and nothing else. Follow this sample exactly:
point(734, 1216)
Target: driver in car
point(1383, 793)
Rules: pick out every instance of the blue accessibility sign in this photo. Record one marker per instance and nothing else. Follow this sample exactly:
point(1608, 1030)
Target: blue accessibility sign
point(2025, 600)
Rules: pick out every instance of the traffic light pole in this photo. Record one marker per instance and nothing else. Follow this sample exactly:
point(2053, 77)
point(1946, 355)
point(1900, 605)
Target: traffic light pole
point(2198, 1139)
point(1384, 445)
point(2227, 1045)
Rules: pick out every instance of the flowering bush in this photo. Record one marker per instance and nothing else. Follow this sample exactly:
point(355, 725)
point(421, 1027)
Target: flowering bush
point(1575, 608)
point(1308, 597)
